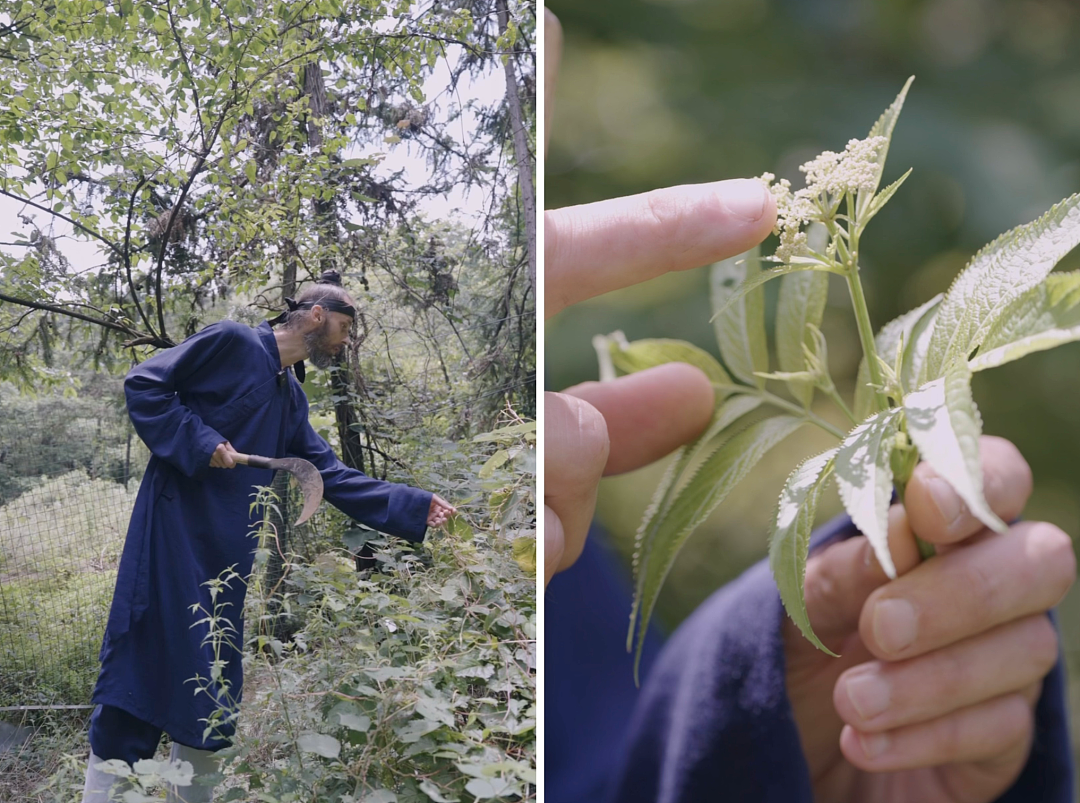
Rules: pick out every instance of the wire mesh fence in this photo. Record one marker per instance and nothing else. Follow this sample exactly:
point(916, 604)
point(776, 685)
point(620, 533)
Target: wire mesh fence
point(69, 474)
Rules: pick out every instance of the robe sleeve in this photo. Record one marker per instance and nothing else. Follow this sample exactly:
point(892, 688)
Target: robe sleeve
point(714, 714)
point(388, 507)
point(154, 389)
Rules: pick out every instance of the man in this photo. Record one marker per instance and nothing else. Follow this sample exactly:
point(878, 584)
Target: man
point(227, 386)
point(950, 687)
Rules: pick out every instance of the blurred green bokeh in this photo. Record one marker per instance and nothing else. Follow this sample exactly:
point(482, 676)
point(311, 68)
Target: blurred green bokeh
point(682, 91)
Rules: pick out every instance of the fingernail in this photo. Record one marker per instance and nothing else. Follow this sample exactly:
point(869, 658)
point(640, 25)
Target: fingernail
point(744, 198)
point(869, 694)
point(874, 744)
point(894, 624)
point(948, 503)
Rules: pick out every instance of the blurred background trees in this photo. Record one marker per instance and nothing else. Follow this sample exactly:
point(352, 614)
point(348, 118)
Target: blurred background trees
point(683, 91)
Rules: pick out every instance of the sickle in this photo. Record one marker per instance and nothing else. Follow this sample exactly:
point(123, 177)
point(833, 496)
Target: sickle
point(305, 473)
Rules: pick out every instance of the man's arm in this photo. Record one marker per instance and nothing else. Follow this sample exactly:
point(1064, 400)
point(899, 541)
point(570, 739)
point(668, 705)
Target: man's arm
point(388, 507)
point(171, 430)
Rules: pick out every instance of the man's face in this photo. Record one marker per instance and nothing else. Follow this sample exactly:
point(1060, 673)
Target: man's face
point(326, 341)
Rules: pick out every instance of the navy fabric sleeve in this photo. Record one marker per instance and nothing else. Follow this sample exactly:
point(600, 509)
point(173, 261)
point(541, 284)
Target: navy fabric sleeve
point(714, 716)
point(154, 391)
point(589, 690)
point(384, 506)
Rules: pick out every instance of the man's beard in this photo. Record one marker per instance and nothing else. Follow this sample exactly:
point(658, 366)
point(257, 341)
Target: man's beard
point(320, 353)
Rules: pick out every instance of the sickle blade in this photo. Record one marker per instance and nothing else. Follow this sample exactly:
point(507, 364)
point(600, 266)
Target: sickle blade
point(311, 484)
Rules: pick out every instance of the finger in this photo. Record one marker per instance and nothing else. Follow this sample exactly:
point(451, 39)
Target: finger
point(554, 544)
point(970, 590)
point(878, 696)
point(576, 443)
point(841, 577)
point(552, 55)
point(937, 513)
point(998, 730)
point(651, 413)
point(595, 248)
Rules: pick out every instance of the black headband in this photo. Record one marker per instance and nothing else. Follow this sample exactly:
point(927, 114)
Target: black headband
point(329, 304)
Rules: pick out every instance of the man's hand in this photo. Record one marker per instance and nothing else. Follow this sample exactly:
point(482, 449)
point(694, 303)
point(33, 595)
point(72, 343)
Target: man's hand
point(223, 456)
point(932, 699)
point(439, 512)
point(595, 429)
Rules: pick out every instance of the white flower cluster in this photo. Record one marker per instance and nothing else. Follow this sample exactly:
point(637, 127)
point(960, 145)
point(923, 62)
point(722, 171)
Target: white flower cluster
point(839, 173)
point(830, 174)
point(793, 211)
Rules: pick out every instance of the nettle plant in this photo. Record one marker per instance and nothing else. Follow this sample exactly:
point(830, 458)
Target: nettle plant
point(913, 395)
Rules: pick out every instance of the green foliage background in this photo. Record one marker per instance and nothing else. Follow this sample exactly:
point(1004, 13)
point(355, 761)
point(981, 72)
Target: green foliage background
point(660, 93)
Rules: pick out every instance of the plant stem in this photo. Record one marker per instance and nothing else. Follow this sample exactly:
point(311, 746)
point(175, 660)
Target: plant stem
point(862, 317)
point(794, 408)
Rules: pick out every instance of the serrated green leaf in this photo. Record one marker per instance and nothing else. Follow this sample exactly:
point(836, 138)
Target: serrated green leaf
point(524, 551)
point(639, 355)
point(493, 462)
point(355, 722)
point(728, 413)
point(755, 282)
point(883, 128)
point(802, 302)
point(864, 479)
point(790, 539)
point(740, 315)
point(916, 343)
point(885, 343)
point(944, 424)
point(320, 744)
point(1043, 318)
point(693, 503)
point(1001, 272)
point(883, 198)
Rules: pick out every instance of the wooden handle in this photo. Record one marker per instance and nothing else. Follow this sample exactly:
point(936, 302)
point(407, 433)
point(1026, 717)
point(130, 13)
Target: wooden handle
point(252, 460)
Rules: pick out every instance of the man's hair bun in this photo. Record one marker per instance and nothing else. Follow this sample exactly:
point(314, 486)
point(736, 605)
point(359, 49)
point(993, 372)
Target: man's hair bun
point(329, 277)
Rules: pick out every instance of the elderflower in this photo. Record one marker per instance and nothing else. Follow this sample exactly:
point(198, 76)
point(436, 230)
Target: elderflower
point(851, 171)
point(793, 211)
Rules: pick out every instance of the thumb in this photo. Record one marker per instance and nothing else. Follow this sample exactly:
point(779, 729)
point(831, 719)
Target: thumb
point(840, 577)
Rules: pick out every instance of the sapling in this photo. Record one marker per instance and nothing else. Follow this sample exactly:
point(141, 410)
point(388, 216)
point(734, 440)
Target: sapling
point(912, 398)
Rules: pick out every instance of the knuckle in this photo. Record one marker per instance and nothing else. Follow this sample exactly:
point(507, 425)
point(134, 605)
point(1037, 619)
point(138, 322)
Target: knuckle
point(1053, 550)
point(1016, 719)
point(822, 588)
point(982, 591)
point(1042, 647)
point(664, 211)
point(582, 449)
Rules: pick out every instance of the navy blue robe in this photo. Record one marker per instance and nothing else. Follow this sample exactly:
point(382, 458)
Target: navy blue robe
point(192, 522)
point(712, 720)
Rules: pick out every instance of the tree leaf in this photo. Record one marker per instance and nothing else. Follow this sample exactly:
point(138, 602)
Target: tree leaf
point(864, 478)
point(1043, 318)
point(722, 305)
point(740, 322)
point(802, 302)
point(632, 357)
point(790, 539)
point(493, 463)
point(883, 198)
point(320, 744)
point(945, 425)
point(1001, 272)
point(885, 343)
point(712, 482)
point(883, 128)
point(916, 343)
point(732, 410)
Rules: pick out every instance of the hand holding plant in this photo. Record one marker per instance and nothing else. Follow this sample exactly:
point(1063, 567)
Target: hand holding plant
point(948, 722)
